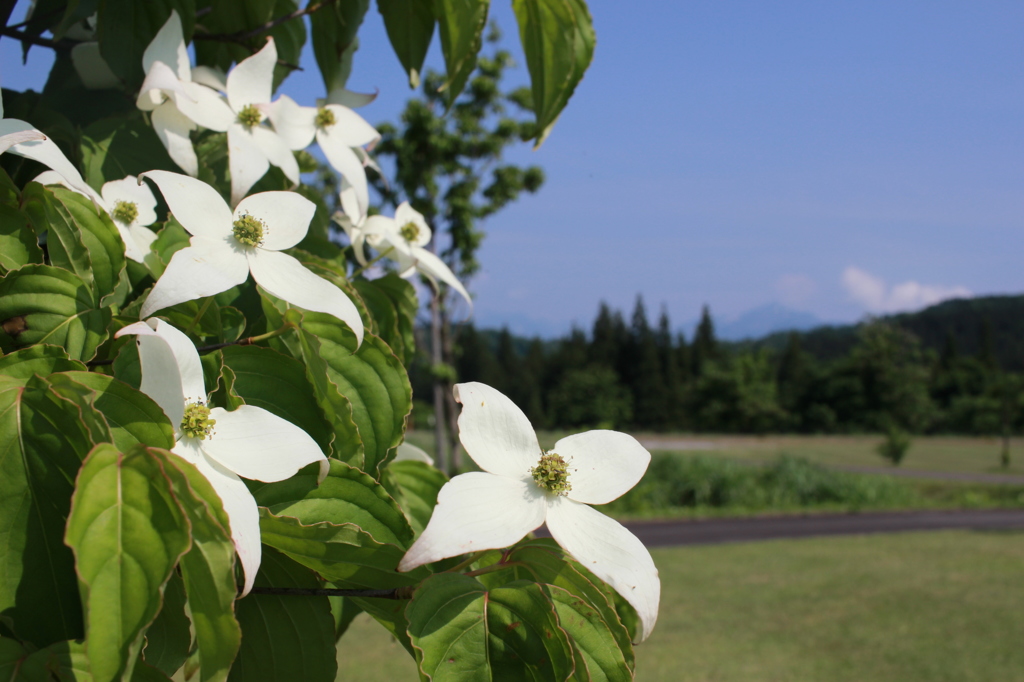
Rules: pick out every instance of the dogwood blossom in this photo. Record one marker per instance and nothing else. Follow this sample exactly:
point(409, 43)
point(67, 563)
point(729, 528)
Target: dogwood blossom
point(19, 137)
point(249, 442)
point(177, 103)
point(131, 207)
point(226, 246)
point(522, 487)
point(403, 238)
point(336, 128)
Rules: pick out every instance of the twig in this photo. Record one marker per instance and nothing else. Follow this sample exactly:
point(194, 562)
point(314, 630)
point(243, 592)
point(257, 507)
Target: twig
point(59, 46)
point(393, 593)
point(241, 36)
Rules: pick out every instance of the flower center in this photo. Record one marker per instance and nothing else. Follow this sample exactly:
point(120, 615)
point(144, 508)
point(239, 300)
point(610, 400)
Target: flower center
point(552, 474)
point(248, 230)
point(410, 231)
point(125, 212)
point(325, 118)
point(197, 423)
point(249, 116)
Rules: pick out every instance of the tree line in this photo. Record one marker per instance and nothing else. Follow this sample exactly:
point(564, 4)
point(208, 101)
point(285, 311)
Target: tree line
point(638, 375)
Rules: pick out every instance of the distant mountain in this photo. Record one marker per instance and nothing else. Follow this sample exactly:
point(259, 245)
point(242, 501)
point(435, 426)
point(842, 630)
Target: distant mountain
point(764, 320)
point(965, 319)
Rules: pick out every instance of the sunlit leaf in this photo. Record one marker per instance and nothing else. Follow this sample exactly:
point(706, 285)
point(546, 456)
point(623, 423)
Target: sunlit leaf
point(410, 27)
point(461, 25)
point(334, 29)
point(168, 639)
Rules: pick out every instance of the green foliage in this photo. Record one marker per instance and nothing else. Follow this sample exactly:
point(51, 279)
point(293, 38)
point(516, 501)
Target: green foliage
point(895, 445)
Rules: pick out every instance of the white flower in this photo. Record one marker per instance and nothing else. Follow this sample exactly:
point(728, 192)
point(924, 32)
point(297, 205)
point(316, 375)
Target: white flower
point(130, 206)
point(252, 146)
point(407, 452)
point(249, 441)
point(226, 246)
point(178, 104)
point(522, 487)
point(336, 128)
point(405, 235)
point(19, 137)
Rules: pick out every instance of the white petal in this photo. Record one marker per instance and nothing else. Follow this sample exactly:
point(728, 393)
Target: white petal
point(238, 502)
point(49, 177)
point(173, 127)
point(196, 205)
point(45, 152)
point(161, 338)
point(432, 266)
point(131, 248)
point(295, 124)
point(161, 376)
point(381, 232)
point(277, 152)
point(347, 98)
point(160, 80)
point(252, 79)
point(204, 106)
point(610, 552)
point(203, 269)
point(409, 452)
point(287, 278)
point(350, 127)
point(603, 465)
point(285, 215)
point(8, 141)
point(168, 46)
point(247, 162)
point(129, 190)
point(140, 238)
point(260, 445)
point(211, 77)
point(477, 511)
point(350, 203)
point(496, 433)
point(344, 160)
point(407, 214)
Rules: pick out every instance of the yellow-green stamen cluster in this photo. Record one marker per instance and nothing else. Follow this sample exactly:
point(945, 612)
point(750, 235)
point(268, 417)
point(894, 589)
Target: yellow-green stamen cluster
point(552, 474)
point(197, 423)
point(410, 231)
point(249, 116)
point(125, 212)
point(325, 118)
point(248, 230)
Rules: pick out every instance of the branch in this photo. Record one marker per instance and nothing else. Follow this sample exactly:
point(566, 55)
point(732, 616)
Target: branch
point(393, 593)
point(59, 46)
point(241, 36)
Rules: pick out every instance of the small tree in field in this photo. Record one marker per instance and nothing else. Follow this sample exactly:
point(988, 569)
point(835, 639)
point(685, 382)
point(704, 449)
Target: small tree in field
point(895, 444)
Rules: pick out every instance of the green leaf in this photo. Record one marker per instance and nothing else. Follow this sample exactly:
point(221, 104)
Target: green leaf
point(97, 232)
point(415, 486)
point(45, 432)
point(285, 637)
point(389, 303)
point(168, 639)
point(341, 553)
point(113, 148)
point(277, 383)
point(133, 416)
point(208, 570)
point(11, 655)
point(598, 654)
point(126, 27)
point(17, 240)
point(403, 295)
point(69, 661)
point(463, 631)
point(410, 27)
point(461, 25)
point(347, 495)
point(289, 37)
point(549, 564)
point(42, 360)
point(44, 304)
point(334, 34)
point(344, 612)
point(127, 532)
point(171, 238)
point(558, 39)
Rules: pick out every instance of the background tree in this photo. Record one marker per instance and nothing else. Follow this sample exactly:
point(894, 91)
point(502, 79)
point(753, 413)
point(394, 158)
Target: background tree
point(447, 163)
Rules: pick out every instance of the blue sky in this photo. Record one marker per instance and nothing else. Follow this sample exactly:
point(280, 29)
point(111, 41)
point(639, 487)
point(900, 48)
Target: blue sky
point(835, 158)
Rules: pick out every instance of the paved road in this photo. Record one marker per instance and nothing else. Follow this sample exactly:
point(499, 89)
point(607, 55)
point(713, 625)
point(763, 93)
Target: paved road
point(715, 531)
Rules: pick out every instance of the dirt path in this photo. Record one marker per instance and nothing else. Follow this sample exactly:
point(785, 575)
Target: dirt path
point(715, 531)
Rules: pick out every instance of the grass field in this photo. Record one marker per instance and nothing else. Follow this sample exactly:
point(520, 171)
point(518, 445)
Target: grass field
point(933, 607)
point(927, 453)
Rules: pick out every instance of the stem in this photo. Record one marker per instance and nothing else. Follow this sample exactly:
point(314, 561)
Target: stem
point(382, 254)
point(241, 36)
point(393, 593)
point(202, 311)
point(33, 40)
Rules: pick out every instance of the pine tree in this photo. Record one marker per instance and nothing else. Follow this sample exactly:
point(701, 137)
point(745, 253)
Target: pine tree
point(670, 372)
point(646, 380)
point(705, 345)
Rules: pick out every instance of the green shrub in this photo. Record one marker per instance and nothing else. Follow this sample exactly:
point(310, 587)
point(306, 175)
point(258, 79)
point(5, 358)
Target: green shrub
point(894, 447)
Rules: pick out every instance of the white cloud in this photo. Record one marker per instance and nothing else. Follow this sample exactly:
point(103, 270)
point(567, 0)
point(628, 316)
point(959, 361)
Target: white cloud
point(872, 293)
point(795, 289)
